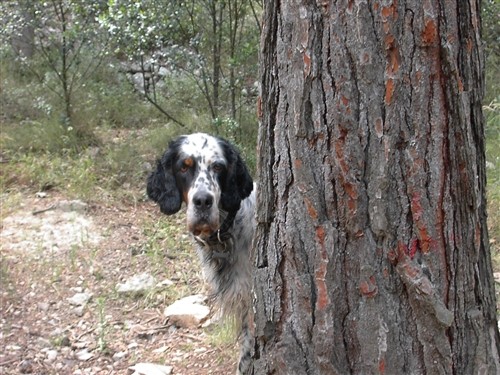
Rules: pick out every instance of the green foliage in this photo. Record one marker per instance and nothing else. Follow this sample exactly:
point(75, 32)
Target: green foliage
point(492, 114)
point(491, 26)
point(58, 42)
point(212, 43)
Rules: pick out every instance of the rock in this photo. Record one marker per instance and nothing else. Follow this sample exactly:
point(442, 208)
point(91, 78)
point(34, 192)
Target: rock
point(150, 369)
point(43, 306)
point(80, 299)
point(119, 355)
point(84, 355)
point(136, 284)
point(188, 312)
point(51, 356)
point(78, 311)
point(43, 342)
point(496, 276)
point(26, 367)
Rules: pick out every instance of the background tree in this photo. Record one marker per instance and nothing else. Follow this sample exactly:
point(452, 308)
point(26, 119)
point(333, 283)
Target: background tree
point(211, 42)
point(372, 245)
point(63, 35)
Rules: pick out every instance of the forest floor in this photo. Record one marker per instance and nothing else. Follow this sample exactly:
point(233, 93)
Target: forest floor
point(53, 249)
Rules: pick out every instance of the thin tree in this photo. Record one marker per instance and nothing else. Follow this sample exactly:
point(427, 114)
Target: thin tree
point(372, 250)
point(64, 42)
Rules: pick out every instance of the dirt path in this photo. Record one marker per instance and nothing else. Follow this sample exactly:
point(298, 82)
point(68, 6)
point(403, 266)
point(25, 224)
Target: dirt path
point(53, 250)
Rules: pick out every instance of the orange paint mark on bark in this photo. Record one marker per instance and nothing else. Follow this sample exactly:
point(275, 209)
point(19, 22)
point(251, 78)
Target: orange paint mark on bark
point(418, 77)
point(297, 163)
point(381, 366)
point(477, 236)
point(392, 255)
point(259, 108)
point(389, 91)
point(350, 5)
point(416, 206)
point(322, 291)
point(385, 273)
point(307, 64)
point(469, 45)
point(310, 209)
point(388, 11)
point(413, 248)
point(430, 33)
point(365, 58)
point(339, 151)
point(369, 287)
point(460, 84)
point(320, 234)
point(404, 262)
point(425, 240)
point(392, 54)
point(323, 300)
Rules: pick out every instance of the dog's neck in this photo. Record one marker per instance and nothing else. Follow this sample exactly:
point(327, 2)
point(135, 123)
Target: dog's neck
point(219, 240)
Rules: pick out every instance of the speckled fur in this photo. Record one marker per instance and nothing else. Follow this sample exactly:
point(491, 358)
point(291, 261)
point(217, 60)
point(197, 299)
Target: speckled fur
point(202, 165)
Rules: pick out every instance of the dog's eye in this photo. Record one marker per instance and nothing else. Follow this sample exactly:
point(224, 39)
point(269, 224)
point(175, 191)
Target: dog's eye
point(217, 168)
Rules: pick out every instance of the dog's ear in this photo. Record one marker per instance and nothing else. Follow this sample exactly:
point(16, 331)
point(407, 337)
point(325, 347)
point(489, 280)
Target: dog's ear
point(239, 183)
point(162, 186)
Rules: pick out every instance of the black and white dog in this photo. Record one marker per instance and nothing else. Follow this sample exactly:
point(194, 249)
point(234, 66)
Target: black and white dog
point(208, 174)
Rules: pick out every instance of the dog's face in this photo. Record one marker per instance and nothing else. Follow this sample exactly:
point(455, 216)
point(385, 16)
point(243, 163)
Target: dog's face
point(207, 174)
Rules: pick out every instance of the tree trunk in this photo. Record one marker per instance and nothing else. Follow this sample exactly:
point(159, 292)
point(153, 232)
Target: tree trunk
point(372, 249)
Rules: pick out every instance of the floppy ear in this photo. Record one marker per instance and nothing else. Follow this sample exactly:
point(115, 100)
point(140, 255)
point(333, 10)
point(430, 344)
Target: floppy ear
point(162, 187)
point(239, 183)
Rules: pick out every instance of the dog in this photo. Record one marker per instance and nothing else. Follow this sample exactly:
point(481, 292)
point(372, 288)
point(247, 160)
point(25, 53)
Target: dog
point(208, 174)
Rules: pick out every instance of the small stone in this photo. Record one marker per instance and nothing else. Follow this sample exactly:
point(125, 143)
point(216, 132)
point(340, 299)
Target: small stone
point(51, 356)
point(80, 299)
point(188, 312)
point(119, 355)
point(84, 355)
point(132, 345)
point(136, 284)
point(43, 306)
point(26, 366)
point(43, 342)
point(163, 349)
point(151, 369)
point(79, 310)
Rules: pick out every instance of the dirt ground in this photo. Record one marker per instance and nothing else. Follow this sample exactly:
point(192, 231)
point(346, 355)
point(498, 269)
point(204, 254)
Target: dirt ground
point(53, 249)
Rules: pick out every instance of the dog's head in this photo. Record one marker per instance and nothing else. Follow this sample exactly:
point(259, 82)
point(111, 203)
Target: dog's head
point(205, 172)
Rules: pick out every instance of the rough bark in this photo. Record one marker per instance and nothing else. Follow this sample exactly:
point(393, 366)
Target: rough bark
point(371, 247)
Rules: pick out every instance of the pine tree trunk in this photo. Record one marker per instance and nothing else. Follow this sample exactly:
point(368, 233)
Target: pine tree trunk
point(372, 249)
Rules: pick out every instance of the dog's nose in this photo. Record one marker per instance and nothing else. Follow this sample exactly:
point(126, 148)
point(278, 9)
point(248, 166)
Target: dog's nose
point(203, 201)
